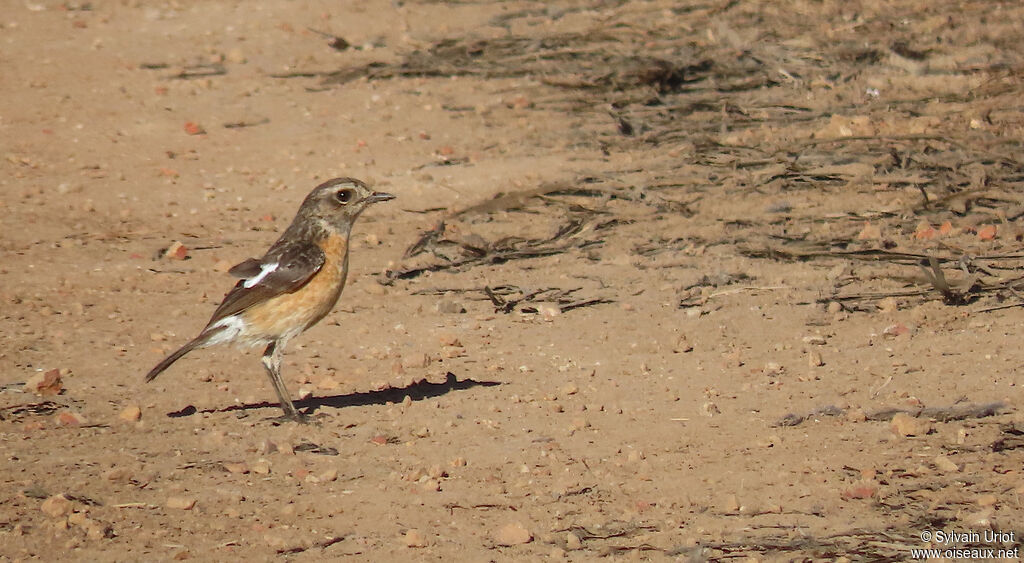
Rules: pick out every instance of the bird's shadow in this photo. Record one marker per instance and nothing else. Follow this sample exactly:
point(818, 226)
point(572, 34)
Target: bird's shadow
point(415, 391)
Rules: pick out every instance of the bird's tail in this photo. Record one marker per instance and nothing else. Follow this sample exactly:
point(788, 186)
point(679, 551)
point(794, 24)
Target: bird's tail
point(166, 362)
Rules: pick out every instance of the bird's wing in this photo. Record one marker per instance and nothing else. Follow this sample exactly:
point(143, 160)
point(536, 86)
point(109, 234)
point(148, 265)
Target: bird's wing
point(247, 269)
point(284, 269)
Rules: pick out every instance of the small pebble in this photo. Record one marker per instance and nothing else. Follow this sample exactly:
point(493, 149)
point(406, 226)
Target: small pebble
point(945, 464)
point(45, 384)
point(118, 475)
point(856, 415)
point(449, 340)
point(131, 413)
point(431, 485)
point(435, 472)
point(549, 310)
point(814, 359)
point(237, 467)
point(894, 330)
point(415, 538)
point(421, 432)
point(193, 128)
point(70, 418)
point(573, 541)
point(888, 305)
point(416, 361)
point(176, 251)
point(261, 467)
point(181, 503)
point(453, 352)
point(513, 534)
point(903, 424)
point(709, 409)
point(57, 506)
point(95, 530)
point(861, 490)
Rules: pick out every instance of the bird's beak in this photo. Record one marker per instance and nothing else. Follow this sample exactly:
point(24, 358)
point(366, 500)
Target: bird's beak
point(378, 196)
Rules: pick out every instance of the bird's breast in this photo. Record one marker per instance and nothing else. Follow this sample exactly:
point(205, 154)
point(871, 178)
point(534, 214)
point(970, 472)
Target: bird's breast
point(289, 314)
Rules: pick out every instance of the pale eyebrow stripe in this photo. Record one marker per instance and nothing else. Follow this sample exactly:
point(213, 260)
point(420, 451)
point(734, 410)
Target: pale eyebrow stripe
point(264, 271)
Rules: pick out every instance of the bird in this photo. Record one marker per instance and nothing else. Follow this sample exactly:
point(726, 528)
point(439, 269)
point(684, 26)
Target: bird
point(292, 287)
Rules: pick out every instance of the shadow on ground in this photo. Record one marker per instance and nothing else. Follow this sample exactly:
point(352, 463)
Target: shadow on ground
point(416, 391)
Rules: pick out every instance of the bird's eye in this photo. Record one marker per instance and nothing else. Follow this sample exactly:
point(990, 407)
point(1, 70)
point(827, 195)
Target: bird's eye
point(345, 196)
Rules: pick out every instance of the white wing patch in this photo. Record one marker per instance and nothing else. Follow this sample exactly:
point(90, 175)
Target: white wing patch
point(265, 270)
point(232, 327)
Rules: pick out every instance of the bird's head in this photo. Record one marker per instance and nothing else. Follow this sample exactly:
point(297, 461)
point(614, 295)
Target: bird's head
point(339, 202)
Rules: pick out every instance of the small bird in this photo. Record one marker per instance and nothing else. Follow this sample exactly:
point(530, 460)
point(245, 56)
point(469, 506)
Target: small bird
point(294, 285)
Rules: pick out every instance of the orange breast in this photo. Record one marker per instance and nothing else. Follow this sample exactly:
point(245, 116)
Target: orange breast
point(289, 314)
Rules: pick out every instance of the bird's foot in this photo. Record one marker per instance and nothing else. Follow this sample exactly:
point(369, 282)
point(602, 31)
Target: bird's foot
point(294, 416)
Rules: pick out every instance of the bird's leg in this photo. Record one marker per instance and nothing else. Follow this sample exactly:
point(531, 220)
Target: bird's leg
point(272, 361)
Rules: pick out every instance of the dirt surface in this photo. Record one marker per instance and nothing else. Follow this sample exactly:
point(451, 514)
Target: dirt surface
point(663, 280)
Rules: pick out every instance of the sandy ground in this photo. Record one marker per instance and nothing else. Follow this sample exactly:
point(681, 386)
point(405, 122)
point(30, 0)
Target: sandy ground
point(693, 281)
